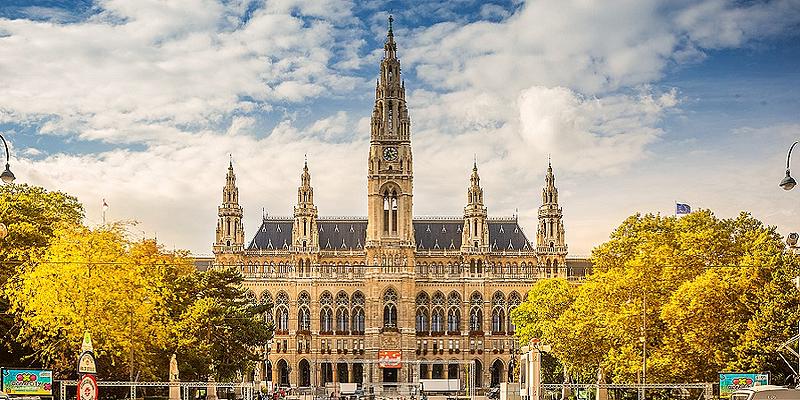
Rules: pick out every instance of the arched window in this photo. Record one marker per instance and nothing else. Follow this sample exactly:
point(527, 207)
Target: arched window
point(342, 320)
point(266, 300)
point(342, 316)
point(282, 312)
point(390, 309)
point(304, 311)
point(437, 320)
point(358, 313)
point(390, 211)
point(422, 320)
point(325, 320)
point(514, 301)
point(498, 312)
point(454, 320)
point(326, 312)
point(476, 313)
point(304, 319)
point(498, 320)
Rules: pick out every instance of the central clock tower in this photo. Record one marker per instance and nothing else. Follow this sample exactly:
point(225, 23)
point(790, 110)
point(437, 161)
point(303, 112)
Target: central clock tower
point(390, 232)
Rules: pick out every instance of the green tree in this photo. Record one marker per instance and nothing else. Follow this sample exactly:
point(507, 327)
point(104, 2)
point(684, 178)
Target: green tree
point(31, 215)
point(219, 327)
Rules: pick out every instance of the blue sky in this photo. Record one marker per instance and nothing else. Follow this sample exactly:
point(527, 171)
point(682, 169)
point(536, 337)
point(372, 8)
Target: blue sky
point(639, 104)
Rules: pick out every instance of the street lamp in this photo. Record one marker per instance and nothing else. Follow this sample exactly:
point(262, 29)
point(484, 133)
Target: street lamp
point(788, 183)
point(7, 176)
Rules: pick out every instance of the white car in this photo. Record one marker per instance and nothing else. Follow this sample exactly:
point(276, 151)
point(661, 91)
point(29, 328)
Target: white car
point(766, 392)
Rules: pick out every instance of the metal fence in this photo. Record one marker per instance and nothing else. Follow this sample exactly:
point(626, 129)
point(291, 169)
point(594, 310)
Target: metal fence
point(188, 390)
point(654, 391)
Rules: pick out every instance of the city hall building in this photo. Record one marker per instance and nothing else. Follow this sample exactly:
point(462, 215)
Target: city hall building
point(366, 299)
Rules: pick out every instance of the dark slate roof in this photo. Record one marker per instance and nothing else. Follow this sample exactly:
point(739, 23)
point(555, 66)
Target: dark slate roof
point(350, 234)
point(272, 234)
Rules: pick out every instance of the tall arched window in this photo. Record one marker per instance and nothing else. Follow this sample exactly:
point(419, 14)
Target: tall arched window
point(358, 313)
point(390, 309)
point(422, 316)
point(454, 312)
point(326, 312)
point(390, 211)
point(304, 312)
point(266, 300)
point(454, 320)
point(514, 301)
point(342, 316)
point(498, 312)
point(437, 312)
point(437, 320)
point(422, 320)
point(476, 313)
point(282, 312)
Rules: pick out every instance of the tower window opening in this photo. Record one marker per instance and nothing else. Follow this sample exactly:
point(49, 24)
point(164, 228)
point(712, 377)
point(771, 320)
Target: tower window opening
point(227, 227)
point(394, 212)
point(386, 212)
point(390, 120)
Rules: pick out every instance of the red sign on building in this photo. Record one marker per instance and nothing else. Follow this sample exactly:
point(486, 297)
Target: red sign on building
point(389, 358)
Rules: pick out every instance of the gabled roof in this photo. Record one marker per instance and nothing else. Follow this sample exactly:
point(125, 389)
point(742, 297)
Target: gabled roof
point(350, 234)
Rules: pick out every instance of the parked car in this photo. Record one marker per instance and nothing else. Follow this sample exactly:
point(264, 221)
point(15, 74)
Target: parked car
point(766, 392)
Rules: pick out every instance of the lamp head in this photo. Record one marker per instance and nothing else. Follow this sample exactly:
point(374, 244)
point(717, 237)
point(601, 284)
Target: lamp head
point(7, 176)
point(788, 183)
point(792, 239)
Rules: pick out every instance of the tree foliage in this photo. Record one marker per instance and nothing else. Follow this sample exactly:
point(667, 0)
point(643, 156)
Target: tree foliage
point(140, 303)
point(705, 294)
point(97, 280)
point(31, 215)
point(219, 328)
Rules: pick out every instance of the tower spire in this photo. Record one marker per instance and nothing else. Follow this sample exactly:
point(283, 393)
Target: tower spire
point(305, 237)
point(230, 230)
point(550, 242)
point(475, 235)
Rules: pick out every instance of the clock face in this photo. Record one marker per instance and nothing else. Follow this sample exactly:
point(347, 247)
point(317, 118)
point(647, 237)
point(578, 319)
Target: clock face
point(390, 153)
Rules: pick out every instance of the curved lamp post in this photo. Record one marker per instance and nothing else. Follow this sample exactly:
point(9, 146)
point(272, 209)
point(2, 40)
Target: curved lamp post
point(788, 183)
point(7, 176)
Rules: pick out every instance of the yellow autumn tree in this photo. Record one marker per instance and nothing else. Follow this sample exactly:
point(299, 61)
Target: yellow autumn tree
point(98, 280)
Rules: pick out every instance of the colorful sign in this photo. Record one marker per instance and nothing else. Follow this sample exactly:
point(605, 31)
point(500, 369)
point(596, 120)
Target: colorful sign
point(730, 382)
point(86, 364)
point(27, 382)
point(87, 388)
point(390, 358)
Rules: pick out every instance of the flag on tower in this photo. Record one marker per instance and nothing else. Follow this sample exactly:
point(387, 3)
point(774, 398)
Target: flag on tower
point(682, 209)
point(105, 205)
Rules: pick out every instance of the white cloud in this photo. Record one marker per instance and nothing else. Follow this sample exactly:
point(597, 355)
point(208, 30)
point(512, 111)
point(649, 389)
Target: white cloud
point(188, 80)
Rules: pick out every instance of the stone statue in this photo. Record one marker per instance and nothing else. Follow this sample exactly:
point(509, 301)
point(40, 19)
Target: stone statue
point(174, 389)
point(173, 369)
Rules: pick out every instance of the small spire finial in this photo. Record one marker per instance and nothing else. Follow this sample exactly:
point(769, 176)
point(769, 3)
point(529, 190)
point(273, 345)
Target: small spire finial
point(391, 19)
point(230, 160)
point(475, 160)
point(305, 160)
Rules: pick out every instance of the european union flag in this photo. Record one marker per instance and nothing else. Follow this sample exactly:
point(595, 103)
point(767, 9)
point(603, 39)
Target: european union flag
point(681, 208)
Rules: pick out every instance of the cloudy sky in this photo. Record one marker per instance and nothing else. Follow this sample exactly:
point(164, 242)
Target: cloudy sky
point(639, 103)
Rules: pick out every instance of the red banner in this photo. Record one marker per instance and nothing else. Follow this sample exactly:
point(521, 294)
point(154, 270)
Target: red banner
point(389, 358)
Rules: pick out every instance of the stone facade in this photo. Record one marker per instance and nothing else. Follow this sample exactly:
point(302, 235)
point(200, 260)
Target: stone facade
point(434, 289)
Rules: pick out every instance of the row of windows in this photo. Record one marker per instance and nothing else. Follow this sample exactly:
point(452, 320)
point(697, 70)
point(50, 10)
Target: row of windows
point(435, 314)
point(305, 267)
